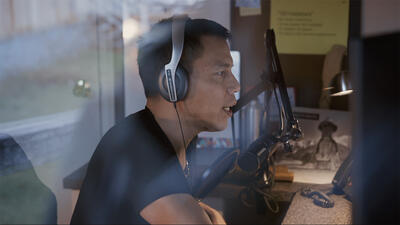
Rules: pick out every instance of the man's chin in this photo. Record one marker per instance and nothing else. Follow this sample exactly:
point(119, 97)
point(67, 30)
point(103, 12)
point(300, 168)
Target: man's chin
point(217, 127)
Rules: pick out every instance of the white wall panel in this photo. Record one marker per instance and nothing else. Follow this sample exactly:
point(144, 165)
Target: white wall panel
point(380, 17)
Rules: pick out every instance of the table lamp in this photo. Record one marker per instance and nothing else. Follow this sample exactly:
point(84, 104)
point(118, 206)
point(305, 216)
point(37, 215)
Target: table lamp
point(340, 84)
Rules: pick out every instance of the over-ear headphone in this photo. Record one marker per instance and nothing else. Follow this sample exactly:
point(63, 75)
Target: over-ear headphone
point(173, 80)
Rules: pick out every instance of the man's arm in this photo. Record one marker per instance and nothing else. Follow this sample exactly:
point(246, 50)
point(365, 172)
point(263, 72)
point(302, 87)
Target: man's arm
point(180, 209)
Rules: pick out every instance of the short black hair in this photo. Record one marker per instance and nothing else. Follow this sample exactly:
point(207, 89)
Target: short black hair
point(155, 48)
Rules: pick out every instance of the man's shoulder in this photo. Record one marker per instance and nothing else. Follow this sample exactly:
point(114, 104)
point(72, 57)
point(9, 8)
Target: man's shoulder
point(129, 128)
point(136, 132)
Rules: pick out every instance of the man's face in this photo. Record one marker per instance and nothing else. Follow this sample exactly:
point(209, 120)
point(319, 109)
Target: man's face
point(211, 87)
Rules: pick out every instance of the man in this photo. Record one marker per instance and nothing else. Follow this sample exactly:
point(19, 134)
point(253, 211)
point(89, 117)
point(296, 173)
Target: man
point(139, 170)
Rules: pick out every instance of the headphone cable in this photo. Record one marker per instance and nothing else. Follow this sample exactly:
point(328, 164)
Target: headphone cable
point(186, 170)
point(180, 125)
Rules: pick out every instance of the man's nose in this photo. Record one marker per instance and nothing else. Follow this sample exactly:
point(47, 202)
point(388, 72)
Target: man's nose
point(234, 85)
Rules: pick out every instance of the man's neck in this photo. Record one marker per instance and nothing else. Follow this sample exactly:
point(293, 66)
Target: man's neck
point(167, 118)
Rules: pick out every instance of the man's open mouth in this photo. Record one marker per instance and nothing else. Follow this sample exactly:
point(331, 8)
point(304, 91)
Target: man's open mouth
point(228, 110)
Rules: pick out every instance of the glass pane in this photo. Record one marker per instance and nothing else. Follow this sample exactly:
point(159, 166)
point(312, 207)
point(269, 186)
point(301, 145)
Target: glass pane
point(48, 57)
point(56, 64)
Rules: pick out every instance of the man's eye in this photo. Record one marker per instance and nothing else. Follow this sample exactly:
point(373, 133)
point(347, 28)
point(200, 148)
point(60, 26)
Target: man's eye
point(221, 73)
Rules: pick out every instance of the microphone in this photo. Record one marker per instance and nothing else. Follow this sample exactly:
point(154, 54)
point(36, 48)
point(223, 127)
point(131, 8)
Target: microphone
point(250, 160)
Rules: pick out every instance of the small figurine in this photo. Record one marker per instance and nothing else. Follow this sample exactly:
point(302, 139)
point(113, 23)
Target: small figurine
point(327, 148)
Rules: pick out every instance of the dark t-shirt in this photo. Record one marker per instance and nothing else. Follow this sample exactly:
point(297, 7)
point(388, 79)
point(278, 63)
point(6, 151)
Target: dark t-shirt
point(133, 165)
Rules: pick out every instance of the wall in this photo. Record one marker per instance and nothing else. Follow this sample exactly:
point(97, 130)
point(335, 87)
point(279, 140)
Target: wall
point(303, 72)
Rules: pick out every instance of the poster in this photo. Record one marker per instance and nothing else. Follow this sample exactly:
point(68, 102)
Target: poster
point(309, 26)
point(326, 143)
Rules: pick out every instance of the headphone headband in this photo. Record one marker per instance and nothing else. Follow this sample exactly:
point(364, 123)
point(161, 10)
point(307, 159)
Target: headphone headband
point(178, 34)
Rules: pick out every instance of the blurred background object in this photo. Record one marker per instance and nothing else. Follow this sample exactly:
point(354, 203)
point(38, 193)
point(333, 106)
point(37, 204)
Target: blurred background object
point(24, 198)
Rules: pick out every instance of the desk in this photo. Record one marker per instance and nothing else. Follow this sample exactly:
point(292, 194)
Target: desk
point(294, 208)
point(303, 211)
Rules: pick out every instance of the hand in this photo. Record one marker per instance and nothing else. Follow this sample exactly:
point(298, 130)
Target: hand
point(215, 216)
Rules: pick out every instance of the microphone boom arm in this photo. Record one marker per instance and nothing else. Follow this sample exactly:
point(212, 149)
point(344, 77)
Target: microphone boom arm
point(250, 160)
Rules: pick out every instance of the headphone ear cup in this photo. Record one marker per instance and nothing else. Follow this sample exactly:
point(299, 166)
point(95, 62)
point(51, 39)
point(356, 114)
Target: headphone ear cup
point(181, 84)
point(162, 85)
